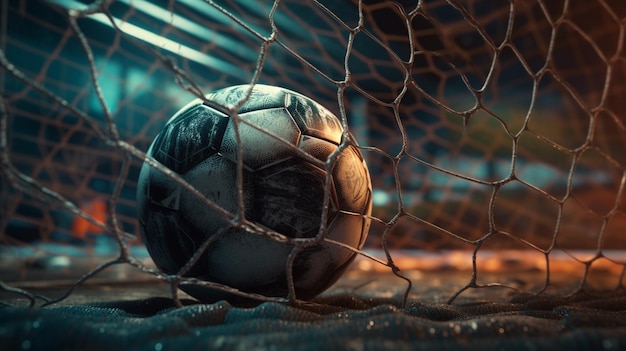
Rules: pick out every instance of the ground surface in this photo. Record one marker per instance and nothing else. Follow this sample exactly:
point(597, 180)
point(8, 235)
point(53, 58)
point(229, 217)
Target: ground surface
point(124, 309)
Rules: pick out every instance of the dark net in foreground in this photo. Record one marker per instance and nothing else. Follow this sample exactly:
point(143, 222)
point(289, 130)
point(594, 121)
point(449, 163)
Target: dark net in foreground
point(493, 133)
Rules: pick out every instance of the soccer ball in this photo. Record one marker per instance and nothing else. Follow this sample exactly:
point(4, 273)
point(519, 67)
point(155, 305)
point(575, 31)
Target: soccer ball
point(281, 190)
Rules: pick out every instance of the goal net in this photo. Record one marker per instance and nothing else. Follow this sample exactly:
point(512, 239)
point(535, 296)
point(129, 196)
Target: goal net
point(494, 131)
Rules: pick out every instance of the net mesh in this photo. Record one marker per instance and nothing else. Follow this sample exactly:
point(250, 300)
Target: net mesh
point(487, 126)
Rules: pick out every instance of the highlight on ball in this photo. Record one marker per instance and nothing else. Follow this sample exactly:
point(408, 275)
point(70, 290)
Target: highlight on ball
point(281, 190)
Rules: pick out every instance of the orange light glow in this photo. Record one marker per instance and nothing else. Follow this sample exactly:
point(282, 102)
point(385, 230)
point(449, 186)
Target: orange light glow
point(495, 261)
point(98, 210)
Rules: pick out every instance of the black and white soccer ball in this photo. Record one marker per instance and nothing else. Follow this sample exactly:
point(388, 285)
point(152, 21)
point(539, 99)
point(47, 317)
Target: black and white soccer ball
point(281, 191)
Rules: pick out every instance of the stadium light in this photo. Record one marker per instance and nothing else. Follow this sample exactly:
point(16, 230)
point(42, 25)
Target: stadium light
point(161, 42)
point(196, 29)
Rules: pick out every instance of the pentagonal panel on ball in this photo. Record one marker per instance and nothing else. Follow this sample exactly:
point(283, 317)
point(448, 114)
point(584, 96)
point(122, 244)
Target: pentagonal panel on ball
point(189, 137)
point(215, 178)
point(318, 148)
point(261, 98)
point(352, 181)
point(260, 148)
point(169, 238)
point(289, 198)
point(313, 118)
